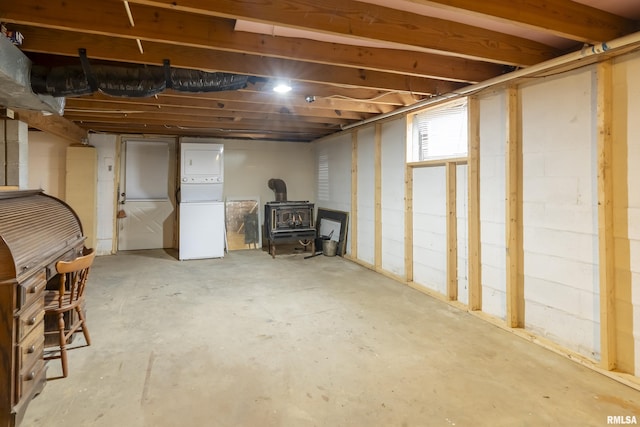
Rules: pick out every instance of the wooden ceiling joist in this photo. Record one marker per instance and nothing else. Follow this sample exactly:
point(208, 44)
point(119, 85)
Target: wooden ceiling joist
point(168, 26)
point(368, 21)
point(239, 107)
point(54, 124)
point(110, 49)
point(346, 60)
point(564, 18)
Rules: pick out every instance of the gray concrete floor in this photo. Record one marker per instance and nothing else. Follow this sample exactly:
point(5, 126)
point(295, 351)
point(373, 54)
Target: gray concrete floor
point(253, 341)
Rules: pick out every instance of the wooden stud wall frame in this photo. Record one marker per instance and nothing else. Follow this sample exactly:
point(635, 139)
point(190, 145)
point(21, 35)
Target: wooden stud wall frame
point(452, 249)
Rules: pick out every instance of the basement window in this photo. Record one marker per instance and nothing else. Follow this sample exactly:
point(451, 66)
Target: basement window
point(439, 132)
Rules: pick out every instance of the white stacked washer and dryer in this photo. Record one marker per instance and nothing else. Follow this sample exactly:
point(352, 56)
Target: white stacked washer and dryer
point(202, 225)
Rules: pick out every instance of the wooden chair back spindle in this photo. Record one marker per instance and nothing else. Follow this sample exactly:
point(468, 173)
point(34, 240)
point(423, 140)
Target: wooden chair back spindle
point(69, 298)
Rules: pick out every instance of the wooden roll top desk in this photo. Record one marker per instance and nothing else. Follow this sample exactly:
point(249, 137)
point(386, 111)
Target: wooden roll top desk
point(36, 231)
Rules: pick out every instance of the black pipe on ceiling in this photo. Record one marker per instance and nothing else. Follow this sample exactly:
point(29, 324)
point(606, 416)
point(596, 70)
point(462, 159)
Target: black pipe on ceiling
point(126, 81)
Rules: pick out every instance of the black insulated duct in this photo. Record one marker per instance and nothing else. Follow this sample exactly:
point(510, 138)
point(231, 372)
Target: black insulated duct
point(280, 188)
point(133, 82)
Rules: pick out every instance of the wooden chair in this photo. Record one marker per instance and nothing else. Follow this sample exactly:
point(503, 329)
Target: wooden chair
point(69, 300)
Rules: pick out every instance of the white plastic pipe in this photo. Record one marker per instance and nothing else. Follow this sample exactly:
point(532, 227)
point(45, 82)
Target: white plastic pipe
point(589, 51)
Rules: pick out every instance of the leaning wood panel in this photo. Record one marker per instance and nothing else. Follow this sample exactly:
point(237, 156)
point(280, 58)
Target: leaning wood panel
point(605, 218)
point(473, 205)
point(513, 172)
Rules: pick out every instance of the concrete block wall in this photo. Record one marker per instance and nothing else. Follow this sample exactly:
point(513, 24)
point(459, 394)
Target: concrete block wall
point(16, 144)
point(333, 177)
point(392, 197)
point(561, 281)
point(366, 195)
point(492, 202)
point(430, 228)
point(560, 217)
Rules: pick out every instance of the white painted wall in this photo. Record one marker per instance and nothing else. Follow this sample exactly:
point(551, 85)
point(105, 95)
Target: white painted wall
point(393, 150)
point(333, 176)
point(106, 149)
point(561, 283)
point(430, 228)
point(560, 209)
point(248, 166)
point(47, 160)
point(626, 202)
point(492, 203)
point(366, 195)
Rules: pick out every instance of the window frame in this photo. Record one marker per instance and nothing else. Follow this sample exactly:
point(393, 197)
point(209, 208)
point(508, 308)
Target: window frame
point(415, 152)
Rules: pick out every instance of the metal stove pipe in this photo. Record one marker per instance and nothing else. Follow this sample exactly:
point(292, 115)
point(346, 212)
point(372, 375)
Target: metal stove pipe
point(280, 188)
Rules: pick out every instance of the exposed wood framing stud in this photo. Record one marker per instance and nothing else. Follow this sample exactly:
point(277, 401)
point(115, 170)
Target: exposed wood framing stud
point(378, 197)
point(439, 162)
point(408, 223)
point(116, 195)
point(514, 249)
point(354, 194)
point(408, 211)
point(452, 233)
point(605, 218)
point(473, 204)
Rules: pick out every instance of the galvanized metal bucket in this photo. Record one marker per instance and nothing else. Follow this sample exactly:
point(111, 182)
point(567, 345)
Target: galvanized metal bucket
point(329, 247)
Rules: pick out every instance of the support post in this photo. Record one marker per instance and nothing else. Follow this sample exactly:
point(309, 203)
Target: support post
point(354, 194)
point(606, 241)
point(378, 198)
point(514, 248)
point(452, 233)
point(473, 205)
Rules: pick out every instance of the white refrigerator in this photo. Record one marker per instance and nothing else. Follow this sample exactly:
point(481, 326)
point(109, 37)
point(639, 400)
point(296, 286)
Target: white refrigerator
point(201, 225)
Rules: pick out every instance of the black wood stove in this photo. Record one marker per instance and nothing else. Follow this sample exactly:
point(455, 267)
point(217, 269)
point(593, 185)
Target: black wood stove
point(289, 221)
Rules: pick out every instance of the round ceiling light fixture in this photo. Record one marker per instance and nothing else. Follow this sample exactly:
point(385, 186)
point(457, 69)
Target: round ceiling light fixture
point(282, 87)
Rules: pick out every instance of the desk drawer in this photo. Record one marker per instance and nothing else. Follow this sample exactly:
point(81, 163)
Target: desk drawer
point(29, 319)
point(31, 348)
point(29, 378)
point(31, 289)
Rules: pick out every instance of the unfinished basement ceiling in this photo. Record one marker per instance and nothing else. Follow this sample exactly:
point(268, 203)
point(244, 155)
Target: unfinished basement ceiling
point(345, 60)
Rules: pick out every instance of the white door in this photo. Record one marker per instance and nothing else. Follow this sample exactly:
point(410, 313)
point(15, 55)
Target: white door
point(147, 194)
